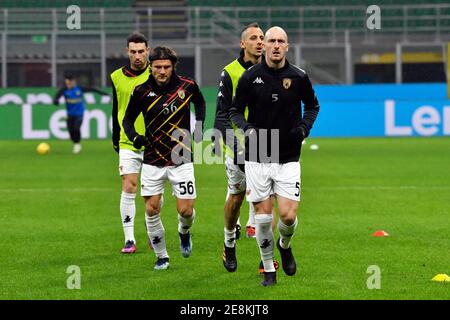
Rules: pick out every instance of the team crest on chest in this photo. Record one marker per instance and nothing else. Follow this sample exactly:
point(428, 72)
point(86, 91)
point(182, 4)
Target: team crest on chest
point(287, 83)
point(181, 94)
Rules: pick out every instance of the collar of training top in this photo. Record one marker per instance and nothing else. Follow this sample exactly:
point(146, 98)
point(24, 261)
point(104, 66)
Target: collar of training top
point(133, 73)
point(172, 83)
point(286, 65)
point(245, 64)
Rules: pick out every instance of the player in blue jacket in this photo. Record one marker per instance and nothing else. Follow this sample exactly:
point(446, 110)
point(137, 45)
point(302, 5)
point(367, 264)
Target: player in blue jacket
point(73, 94)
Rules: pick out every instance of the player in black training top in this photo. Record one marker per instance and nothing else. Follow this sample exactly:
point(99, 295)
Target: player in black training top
point(274, 92)
point(164, 101)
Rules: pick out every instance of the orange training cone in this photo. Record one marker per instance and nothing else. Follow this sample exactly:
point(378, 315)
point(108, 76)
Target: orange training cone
point(380, 233)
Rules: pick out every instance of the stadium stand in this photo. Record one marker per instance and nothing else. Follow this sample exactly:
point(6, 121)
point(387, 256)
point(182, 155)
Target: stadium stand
point(64, 3)
point(316, 14)
point(32, 27)
point(275, 3)
point(181, 19)
point(165, 24)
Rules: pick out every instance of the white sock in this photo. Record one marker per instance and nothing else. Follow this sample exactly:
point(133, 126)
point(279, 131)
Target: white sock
point(286, 233)
point(185, 223)
point(161, 202)
point(264, 237)
point(128, 212)
point(230, 237)
point(251, 215)
point(156, 234)
point(226, 199)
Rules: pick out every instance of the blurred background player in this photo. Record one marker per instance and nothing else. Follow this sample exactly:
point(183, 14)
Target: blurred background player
point(251, 44)
point(124, 81)
point(164, 101)
point(73, 95)
point(274, 91)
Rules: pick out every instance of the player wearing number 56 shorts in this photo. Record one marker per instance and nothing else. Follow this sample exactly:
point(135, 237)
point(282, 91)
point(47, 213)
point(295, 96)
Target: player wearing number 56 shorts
point(164, 101)
point(274, 92)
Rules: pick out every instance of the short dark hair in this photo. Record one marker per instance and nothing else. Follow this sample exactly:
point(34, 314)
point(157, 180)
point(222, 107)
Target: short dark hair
point(137, 37)
point(251, 25)
point(163, 53)
point(69, 76)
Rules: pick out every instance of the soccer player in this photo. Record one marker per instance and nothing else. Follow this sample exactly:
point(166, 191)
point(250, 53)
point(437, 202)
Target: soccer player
point(251, 44)
point(124, 80)
point(164, 101)
point(73, 94)
point(274, 92)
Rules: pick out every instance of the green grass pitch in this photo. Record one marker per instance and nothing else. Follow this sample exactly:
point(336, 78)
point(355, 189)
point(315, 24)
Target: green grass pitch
point(61, 209)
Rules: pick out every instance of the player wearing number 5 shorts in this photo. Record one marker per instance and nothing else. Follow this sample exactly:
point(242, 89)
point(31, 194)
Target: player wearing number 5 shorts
point(274, 92)
point(164, 101)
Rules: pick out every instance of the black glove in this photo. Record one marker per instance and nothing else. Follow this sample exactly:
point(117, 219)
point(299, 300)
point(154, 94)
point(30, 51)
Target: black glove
point(116, 148)
point(215, 146)
point(299, 133)
point(198, 131)
point(140, 141)
point(242, 167)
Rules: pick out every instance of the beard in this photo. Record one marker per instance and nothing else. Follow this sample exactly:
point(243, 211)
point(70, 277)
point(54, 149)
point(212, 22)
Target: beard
point(139, 65)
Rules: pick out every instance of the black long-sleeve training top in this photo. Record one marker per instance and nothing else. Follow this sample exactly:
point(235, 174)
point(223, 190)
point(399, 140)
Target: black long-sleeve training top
point(274, 98)
point(222, 120)
point(165, 109)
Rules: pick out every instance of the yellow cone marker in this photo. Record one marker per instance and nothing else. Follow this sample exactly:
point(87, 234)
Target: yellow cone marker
point(441, 278)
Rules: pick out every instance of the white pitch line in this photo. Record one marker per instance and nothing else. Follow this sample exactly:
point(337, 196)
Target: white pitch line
point(384, 188)
point(59, 190)
point(337, 188)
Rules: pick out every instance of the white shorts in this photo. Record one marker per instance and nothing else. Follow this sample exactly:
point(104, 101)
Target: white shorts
point(181, 177)
point(130, 162)
point(263, 179)
point(235, 177)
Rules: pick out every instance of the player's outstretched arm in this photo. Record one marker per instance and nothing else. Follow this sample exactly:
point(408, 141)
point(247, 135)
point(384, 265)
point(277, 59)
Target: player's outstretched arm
point(58, 95)
point(91, 89)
